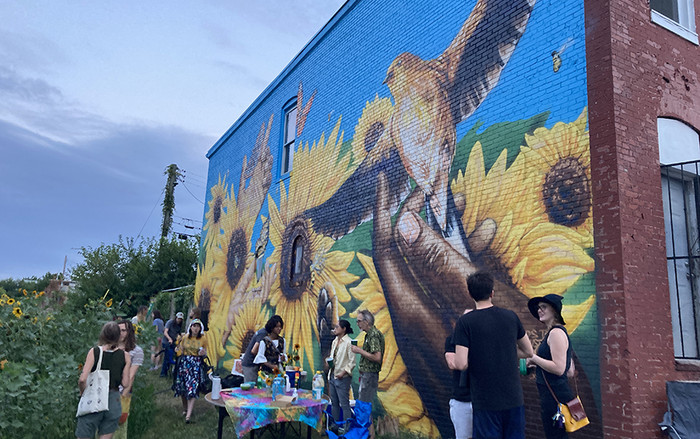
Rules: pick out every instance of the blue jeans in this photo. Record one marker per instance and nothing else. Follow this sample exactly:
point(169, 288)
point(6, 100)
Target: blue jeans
point(168, 360)
point(500, 424)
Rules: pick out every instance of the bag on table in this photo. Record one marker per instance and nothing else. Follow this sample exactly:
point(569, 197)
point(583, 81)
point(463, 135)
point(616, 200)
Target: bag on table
point(571, 415)
point(95, 397)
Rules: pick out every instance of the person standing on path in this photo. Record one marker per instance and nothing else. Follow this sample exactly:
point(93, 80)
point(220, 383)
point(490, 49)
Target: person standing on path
point(489, 340)
point(372, 355)
point(173, 328)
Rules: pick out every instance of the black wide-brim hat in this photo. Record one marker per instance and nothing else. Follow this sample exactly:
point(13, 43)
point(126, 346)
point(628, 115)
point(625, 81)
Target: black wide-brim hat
point(552, 299)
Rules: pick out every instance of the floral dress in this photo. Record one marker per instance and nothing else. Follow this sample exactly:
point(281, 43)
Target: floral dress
point(189, 372)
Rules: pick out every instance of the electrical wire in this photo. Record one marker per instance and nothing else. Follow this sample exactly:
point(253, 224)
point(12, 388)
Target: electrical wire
point(149, 215)
point(190, 192)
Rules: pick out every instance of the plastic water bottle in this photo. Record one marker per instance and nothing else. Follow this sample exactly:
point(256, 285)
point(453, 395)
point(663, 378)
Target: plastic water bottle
point(317, 385)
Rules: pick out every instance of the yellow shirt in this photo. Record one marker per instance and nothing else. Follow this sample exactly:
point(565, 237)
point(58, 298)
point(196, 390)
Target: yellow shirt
point(343, 359)
point(190, 345)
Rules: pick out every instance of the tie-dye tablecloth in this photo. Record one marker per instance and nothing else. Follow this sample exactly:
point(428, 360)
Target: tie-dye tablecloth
point(251, 409)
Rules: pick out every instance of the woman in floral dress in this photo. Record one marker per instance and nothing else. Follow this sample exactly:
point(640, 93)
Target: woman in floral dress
point(191, 348)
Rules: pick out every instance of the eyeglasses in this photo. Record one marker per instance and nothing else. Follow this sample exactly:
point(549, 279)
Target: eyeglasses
point(360, 320)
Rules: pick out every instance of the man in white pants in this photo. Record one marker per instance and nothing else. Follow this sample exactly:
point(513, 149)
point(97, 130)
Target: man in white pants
point(461, 401)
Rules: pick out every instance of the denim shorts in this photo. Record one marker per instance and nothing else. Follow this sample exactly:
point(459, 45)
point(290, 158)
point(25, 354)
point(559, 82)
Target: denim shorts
point(102, 422)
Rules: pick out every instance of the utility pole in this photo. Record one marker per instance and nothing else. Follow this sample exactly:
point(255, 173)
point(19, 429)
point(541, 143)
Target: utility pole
point(173, 174)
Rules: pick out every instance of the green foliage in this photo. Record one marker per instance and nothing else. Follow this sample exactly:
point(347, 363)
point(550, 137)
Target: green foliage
point(181, 300)
point(143, 406)
point(494, 139)
point(30, 284)
point(133, 273)
point(41, 352)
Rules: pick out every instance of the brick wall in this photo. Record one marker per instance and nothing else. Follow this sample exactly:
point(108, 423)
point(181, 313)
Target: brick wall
point(637, 71)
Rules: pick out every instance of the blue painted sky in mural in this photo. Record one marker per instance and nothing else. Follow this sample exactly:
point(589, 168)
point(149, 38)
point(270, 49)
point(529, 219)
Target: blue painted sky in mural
point(97, 98)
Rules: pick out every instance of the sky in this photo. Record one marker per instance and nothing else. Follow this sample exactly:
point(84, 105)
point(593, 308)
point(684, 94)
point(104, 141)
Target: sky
point(97, 98)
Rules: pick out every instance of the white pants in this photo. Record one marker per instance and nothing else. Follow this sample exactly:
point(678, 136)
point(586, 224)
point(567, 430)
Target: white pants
point(462, 418)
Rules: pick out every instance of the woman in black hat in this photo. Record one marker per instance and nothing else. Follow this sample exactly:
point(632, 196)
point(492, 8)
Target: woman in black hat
point(553, 361)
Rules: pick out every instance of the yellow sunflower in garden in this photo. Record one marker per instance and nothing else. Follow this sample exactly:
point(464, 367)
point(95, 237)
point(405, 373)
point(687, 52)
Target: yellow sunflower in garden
point(503, 221)
point(17, 312)
point(559, 169)
point(399, 398)
point(10, 301)
point(317, 174)
point(218, 207)
point(370, 126)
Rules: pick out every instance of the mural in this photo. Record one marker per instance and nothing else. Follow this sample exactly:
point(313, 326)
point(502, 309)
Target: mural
point(394, 219)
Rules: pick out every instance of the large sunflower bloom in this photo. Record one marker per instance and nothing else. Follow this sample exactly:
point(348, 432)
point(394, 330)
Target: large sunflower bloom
point(399, 398)
point(539, 256)
point(252, 316)
point(218, 208)
point(370, 126)
point(317, 174)
point(559, 168)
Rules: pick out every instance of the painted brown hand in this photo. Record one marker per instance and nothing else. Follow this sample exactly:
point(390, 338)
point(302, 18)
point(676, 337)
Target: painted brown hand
point(424, 281)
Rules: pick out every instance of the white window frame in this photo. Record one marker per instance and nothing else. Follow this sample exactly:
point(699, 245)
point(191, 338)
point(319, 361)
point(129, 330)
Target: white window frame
point(685, 26)
point(289, 135)
point(679, 145)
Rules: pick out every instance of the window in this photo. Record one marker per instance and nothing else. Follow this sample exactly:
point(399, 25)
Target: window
point(297, 260)
point(679, 150)
point(678, 16)
point(290, 135)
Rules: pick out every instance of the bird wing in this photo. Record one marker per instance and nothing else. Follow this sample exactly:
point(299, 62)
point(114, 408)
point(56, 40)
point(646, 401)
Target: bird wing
point(353, 202)
point(477, 55)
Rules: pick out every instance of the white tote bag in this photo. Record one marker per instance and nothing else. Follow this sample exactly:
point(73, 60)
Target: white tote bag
point(96, 395)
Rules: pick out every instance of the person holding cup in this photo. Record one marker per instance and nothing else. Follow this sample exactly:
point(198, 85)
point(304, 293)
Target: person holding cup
point(192, 348)
point(341, 365)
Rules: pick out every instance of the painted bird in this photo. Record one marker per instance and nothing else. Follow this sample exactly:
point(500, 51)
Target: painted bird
point(430, 98)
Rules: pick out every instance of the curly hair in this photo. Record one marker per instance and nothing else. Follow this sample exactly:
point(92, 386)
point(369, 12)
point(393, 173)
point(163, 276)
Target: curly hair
point(130, 341)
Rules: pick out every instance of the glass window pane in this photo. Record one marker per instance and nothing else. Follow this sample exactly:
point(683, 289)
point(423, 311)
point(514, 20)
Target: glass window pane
point(290, 125)
point(668, 8)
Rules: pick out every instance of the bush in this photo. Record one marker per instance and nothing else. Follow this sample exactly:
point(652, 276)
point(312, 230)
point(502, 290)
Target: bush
point(41, 354)
point(143, 408)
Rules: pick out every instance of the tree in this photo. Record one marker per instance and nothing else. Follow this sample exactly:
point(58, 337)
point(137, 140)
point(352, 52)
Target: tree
point(133, 273)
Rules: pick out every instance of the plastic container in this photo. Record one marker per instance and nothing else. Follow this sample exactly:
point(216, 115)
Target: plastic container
point(277, 387)
point(317, 385)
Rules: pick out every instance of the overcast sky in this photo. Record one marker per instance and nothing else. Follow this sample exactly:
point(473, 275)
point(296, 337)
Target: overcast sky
point(97, 98)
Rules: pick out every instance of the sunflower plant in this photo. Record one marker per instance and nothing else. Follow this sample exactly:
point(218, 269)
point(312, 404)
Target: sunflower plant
point(42, 348)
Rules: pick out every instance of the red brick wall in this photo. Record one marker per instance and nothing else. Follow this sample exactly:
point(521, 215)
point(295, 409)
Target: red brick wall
point(637, 71)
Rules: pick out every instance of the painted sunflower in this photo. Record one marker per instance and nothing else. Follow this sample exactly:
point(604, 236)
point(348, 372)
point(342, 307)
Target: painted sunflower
point(505, 227)
point(370, 126)
point(232, 261)
point(317, 174)
point(218, 208)
point(252, 316)
point(559, 168)
point(399, 398)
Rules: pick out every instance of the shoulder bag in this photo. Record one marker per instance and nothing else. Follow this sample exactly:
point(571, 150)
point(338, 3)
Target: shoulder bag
point(95, 397)
point(571, 414)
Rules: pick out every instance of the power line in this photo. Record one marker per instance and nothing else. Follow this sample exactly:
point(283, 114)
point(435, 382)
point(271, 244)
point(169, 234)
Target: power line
point(149, 215)
point(190, 192)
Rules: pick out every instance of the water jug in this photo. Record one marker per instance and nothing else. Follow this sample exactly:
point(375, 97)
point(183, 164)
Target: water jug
point(317, 385)
point(215, 386)
point(277, 387)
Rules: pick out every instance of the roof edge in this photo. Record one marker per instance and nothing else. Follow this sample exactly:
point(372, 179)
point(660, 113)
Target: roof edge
point(313, 42)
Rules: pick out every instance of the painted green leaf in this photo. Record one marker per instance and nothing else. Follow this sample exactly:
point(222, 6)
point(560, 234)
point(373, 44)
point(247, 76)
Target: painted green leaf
point(494, 139)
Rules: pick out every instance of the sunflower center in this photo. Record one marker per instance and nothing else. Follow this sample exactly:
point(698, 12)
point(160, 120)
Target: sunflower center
point(235, 258)
point(373, 134)
point(247, 337)
point(567, 193)
point(218, 202)
point(295, 259)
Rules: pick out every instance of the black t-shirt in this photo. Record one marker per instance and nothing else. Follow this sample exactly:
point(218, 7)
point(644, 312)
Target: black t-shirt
point(460, 378)
point(491, 334)
point(114, 362)
point(173, 329)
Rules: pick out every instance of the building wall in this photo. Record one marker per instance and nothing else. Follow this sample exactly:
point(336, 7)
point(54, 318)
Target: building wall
point(638, 71)
point(434, 145)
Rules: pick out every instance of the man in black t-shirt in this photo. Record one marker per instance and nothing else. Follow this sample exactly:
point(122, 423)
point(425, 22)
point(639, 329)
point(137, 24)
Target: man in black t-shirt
point(489, 341)
point(461, 401)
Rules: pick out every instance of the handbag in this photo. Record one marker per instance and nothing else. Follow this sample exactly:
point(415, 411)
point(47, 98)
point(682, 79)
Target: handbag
point(571, 416)
point(95, 397)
